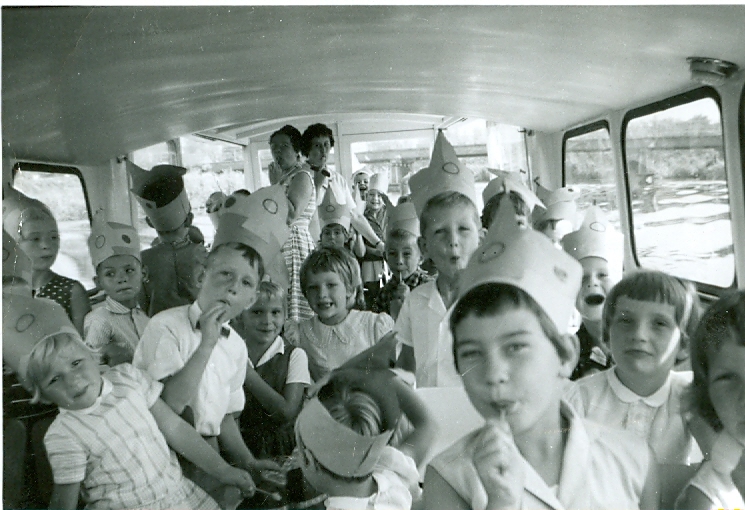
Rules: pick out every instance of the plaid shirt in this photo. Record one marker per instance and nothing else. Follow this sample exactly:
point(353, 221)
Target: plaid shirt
point(414, 280)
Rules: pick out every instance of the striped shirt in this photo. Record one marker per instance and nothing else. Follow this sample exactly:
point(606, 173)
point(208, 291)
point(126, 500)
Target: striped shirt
point(115, 450)
point(114, 323)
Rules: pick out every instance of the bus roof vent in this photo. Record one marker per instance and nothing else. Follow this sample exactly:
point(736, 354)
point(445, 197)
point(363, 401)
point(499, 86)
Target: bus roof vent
point(710, 71)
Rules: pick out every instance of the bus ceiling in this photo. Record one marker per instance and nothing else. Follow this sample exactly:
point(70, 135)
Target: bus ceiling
point(82, 85)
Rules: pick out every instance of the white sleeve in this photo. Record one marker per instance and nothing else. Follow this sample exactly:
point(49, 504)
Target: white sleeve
point(403, 323)
point(159, 351)
point(297, 370)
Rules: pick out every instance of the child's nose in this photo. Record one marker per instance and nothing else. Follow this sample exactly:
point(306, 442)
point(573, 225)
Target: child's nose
point(496, 369)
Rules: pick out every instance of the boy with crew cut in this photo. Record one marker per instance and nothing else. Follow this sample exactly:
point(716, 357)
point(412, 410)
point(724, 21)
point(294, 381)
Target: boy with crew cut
point(444, 197)
point(200, 359)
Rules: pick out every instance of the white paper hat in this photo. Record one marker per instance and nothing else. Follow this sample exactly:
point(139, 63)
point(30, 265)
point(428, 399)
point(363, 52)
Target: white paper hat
point(379, 182)
point(109, 238)
point(337, 447)
point(359, 172)
point(15, 261)
point(444, 173)
point(596, 238)
point(214, 206)
point(26, 322)
point(561, 204)
point(331, 211)
point(505, 182)
point(16, 205)
point(165, 201)
point(404, 217)
point(259, 221)
point(528, 260)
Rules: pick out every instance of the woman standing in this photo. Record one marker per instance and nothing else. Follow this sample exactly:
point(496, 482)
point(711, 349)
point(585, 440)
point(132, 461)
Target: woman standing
point(296, 177)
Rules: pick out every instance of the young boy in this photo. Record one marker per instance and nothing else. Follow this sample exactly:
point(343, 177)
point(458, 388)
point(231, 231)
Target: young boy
point(372, 263)
point(559, 218)
point(444, 197)
point(336, 225)
point(403, 257)
point(599, 249)
point(509, 184)
point(109, 443)
point(173, 263)
point(190, 348)
point(113, 330)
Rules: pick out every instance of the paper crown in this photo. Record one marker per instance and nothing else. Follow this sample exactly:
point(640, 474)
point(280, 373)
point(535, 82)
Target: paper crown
point(331, 211)
point(528, 260)
point(214, 206)
point(505, 182)
point(161, 194)
point(335, 446)
point(596, 238)
point(379, 183)
point(16, 205)
point(403, 217)
point(259, 221)
point(560, 204)
point(360, 172)
point(26, 322)
point(109, 238)
point(15, 261)
point(444, 173)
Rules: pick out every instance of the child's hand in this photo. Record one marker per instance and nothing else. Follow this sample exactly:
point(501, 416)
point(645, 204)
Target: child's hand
point(239, 478)
point(499, 465)
point(114, 354)
point(269, 471)
point(401, 292)
point(210, 322)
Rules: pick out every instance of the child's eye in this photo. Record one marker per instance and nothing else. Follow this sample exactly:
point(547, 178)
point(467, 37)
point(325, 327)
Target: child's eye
point(723, 378)
point(129, 270)
point(469, 354)
point(464, 229)
point(52, 380)
point(515, 348)
point(77, 362)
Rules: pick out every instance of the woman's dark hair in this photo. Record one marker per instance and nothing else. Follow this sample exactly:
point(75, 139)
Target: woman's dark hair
point(723, 322)
point(293, 134)
point(314, 131)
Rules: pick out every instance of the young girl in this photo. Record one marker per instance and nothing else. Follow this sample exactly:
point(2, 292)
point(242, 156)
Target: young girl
point(534, 451)
point(330, 278)
point(39, 239)
point(718, 358)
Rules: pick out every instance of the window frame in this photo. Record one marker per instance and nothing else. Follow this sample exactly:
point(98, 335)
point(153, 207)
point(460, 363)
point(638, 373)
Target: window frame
point(579, 131)
point(28, 166)
point(705, 92)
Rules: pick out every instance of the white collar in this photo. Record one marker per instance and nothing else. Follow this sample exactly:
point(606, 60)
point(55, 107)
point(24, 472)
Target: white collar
point(352, 503)
point(116, 307)
point(106, 388)
point(277, 347)
point(624, 394)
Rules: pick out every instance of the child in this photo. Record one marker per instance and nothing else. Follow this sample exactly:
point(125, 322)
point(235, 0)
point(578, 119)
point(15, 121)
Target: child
point(360, 183)
point(330, 279)
point(38, 237)
point(201, 361)
point(173, 263)
point(444, 197)
point(648, 319)
point(403, 257)
point(343, 439)
point(109, 444)
point(114, 329)
point(599, 249)
point(718, 358)
point(509, 184)
point(336, 226)
point(515, 298)
point(372, 263)
point(559, 218)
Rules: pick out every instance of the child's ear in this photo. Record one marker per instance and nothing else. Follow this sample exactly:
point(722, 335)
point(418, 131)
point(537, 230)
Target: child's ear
point(570, 355)
point(145, 274)
point(95, 282)
point(199, 271)
point(422, 243)
point(482, 234)
point(189, 219)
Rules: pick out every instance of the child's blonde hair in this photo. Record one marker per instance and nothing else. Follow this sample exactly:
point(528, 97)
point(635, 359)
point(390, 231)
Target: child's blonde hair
point(339, 261)
point(447, 200)
point(271, 290)
point(33, 213)
point(723, 322)
point(43, 355)
point(661, 288)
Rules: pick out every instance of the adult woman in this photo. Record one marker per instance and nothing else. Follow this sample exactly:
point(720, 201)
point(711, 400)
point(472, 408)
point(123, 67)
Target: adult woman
point(289, 171)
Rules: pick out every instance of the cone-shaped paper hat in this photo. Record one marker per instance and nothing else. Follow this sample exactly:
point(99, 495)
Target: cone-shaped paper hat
point(379, 182)
point(15, 261)
point(528, 260)
point(444, 173)
point(596, 238)
point(214, 206)
point(14, 205)
point(331, 211)
point(161, 194)
point(561, 204)
point(110, 238)
point(404, 217)
point(505, 182)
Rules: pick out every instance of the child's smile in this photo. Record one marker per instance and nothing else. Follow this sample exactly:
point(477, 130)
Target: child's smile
point(74, 380)
point(328, 297)
point(596, 283)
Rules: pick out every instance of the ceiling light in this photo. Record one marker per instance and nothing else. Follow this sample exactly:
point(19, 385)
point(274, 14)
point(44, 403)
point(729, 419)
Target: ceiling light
point(710, 71)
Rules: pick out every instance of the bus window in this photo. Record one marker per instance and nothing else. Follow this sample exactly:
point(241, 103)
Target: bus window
point(588, 164)
point(680, 212)
point(62, 189)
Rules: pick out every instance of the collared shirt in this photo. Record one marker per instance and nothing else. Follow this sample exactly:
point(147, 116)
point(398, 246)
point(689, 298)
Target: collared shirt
point(383, 301)
point(116, 451)
point(297, 369)
point(114, 323)
point(658, 418)
point(714, 478)
point(168, 342)
point(602, 468)
point(424, 324)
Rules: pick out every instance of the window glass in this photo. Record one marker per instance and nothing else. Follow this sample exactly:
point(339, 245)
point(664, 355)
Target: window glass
point(63, 193)
point(679, 196)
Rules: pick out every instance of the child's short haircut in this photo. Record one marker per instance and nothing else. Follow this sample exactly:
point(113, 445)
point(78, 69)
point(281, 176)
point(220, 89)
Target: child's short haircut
point(327, 225)
point(490, 299)
point(334, 260)
point(248, 253)
point(659, 287)
point(521, 208)
point(43, 355)
point(446, 200)
point(723, 322)
point(400, 234)
point(270, 290)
